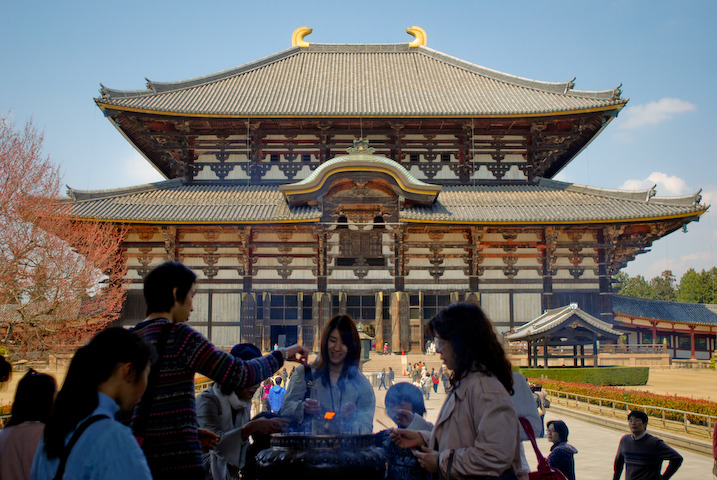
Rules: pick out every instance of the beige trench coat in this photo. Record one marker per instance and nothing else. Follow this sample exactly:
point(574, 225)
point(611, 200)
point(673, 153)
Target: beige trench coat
point(479, 427)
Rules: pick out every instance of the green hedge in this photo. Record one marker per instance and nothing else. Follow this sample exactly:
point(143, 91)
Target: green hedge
point(618, 376)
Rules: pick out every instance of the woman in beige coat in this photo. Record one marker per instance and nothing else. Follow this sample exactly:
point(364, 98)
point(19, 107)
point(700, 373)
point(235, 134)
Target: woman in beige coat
point(476, 434)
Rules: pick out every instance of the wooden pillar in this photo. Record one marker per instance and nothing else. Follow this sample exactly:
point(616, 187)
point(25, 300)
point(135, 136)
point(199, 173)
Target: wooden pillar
point(248, 319)
point(582, 355)
point(530, 353)
point(321, 312)
point(654, 333)
point(692, 342)
point(595, 354)
point(545, 352)
point(575, 355)
point(400, 327)
point(266, 331)
point(379, 322)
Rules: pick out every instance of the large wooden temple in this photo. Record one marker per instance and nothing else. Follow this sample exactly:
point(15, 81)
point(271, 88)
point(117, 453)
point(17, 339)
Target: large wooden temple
point(383, 180)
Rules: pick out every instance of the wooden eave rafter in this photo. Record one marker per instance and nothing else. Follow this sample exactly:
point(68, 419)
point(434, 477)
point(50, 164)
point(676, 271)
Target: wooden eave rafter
point(658, 320)
point(116, 108)
point(546, 151)
point(683, 216)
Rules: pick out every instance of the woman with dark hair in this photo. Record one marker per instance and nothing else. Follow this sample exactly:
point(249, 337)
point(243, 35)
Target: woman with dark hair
point(561, 452)
point(476, 434)
point(82, 439)
point(166, 418)
point(333, 383)
point(31, 409)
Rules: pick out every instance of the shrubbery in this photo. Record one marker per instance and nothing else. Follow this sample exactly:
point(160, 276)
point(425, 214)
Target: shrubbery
point(636, 399)
point(620, 376)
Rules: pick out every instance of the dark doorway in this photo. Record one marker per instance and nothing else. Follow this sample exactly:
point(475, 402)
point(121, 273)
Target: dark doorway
point(283, 335)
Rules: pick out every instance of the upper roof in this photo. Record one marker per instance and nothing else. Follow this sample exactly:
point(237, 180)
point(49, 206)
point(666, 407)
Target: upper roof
point(554, 320)
point(547, 201)
point(693, 313)
point(380, 80)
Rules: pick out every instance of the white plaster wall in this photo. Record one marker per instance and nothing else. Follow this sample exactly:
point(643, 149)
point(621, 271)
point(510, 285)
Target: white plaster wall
point(496, 306)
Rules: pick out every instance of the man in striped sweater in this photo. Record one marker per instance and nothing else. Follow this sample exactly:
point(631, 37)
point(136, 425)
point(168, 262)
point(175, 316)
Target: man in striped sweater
point(166, 418)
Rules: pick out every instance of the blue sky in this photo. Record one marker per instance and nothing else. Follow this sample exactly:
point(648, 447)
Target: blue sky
point(55, 54)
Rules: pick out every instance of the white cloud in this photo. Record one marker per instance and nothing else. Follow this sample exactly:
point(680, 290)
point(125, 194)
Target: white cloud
point(709, 197)
point(654, 112)
point(666, 185)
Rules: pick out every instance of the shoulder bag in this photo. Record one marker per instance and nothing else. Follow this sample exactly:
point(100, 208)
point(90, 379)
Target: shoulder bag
point(545, 471)
point(75, 436)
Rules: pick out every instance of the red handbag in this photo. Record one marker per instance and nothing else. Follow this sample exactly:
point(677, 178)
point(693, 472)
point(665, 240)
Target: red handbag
point(545, 471)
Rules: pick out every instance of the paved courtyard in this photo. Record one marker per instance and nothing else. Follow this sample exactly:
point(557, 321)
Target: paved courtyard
point(596, 444)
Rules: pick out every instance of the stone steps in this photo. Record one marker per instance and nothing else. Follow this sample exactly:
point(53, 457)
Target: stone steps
point(377, 362)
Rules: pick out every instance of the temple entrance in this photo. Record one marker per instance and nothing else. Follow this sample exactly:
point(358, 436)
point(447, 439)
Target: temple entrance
point(284, 335)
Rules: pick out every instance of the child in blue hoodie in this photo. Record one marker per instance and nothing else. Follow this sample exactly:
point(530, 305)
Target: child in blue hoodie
point(276, 395)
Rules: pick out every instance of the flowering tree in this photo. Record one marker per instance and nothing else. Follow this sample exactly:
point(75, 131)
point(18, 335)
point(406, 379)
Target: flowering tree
point(60, 279)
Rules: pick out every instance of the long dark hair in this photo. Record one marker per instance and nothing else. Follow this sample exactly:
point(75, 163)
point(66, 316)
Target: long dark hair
point(159, 285)
point(92, 365)
point(33, 399)
point(475, 344)
point(349, 335)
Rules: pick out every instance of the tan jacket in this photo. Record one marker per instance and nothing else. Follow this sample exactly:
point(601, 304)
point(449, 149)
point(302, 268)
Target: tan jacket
point(479, 426)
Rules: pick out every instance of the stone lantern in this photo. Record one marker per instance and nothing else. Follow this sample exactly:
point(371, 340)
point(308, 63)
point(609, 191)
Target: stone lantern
point(365, 342)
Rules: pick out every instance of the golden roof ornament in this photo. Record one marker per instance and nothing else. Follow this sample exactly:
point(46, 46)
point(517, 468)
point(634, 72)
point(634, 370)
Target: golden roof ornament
point(361, 147)
point(419, 34)
point(297, 38)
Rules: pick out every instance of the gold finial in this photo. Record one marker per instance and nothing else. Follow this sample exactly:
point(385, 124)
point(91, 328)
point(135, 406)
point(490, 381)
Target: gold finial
point(361, 146)
point(420, 39)
point(297, 39)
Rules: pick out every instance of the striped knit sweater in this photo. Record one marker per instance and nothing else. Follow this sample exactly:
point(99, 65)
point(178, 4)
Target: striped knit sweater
point(171, 442)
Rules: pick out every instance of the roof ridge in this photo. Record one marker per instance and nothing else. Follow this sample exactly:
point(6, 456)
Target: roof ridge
point(161, 87)
point(642, 196)
point(80, 195)
point(563, 88)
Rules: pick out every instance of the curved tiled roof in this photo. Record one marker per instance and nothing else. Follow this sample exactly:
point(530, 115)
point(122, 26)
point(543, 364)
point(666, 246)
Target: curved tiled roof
point(173, 201)
point(362, 163)
point(549, 201)
point(382, 80)
point(693, 313)
point(545, 202)
point(555, 318)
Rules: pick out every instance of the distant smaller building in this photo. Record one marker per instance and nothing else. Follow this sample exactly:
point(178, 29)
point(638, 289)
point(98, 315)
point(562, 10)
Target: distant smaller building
point(553, 333)
point(686, 329)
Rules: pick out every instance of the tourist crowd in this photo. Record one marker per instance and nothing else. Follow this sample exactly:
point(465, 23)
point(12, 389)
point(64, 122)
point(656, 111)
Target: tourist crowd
point(127, 407)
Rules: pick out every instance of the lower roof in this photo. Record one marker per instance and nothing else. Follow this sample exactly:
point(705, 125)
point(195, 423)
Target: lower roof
point(556, 319)
point(680, 312)
point(543, 202)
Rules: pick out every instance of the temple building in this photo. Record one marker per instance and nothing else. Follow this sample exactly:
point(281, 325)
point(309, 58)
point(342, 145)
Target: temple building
point(382, 180)
point(684, 330)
